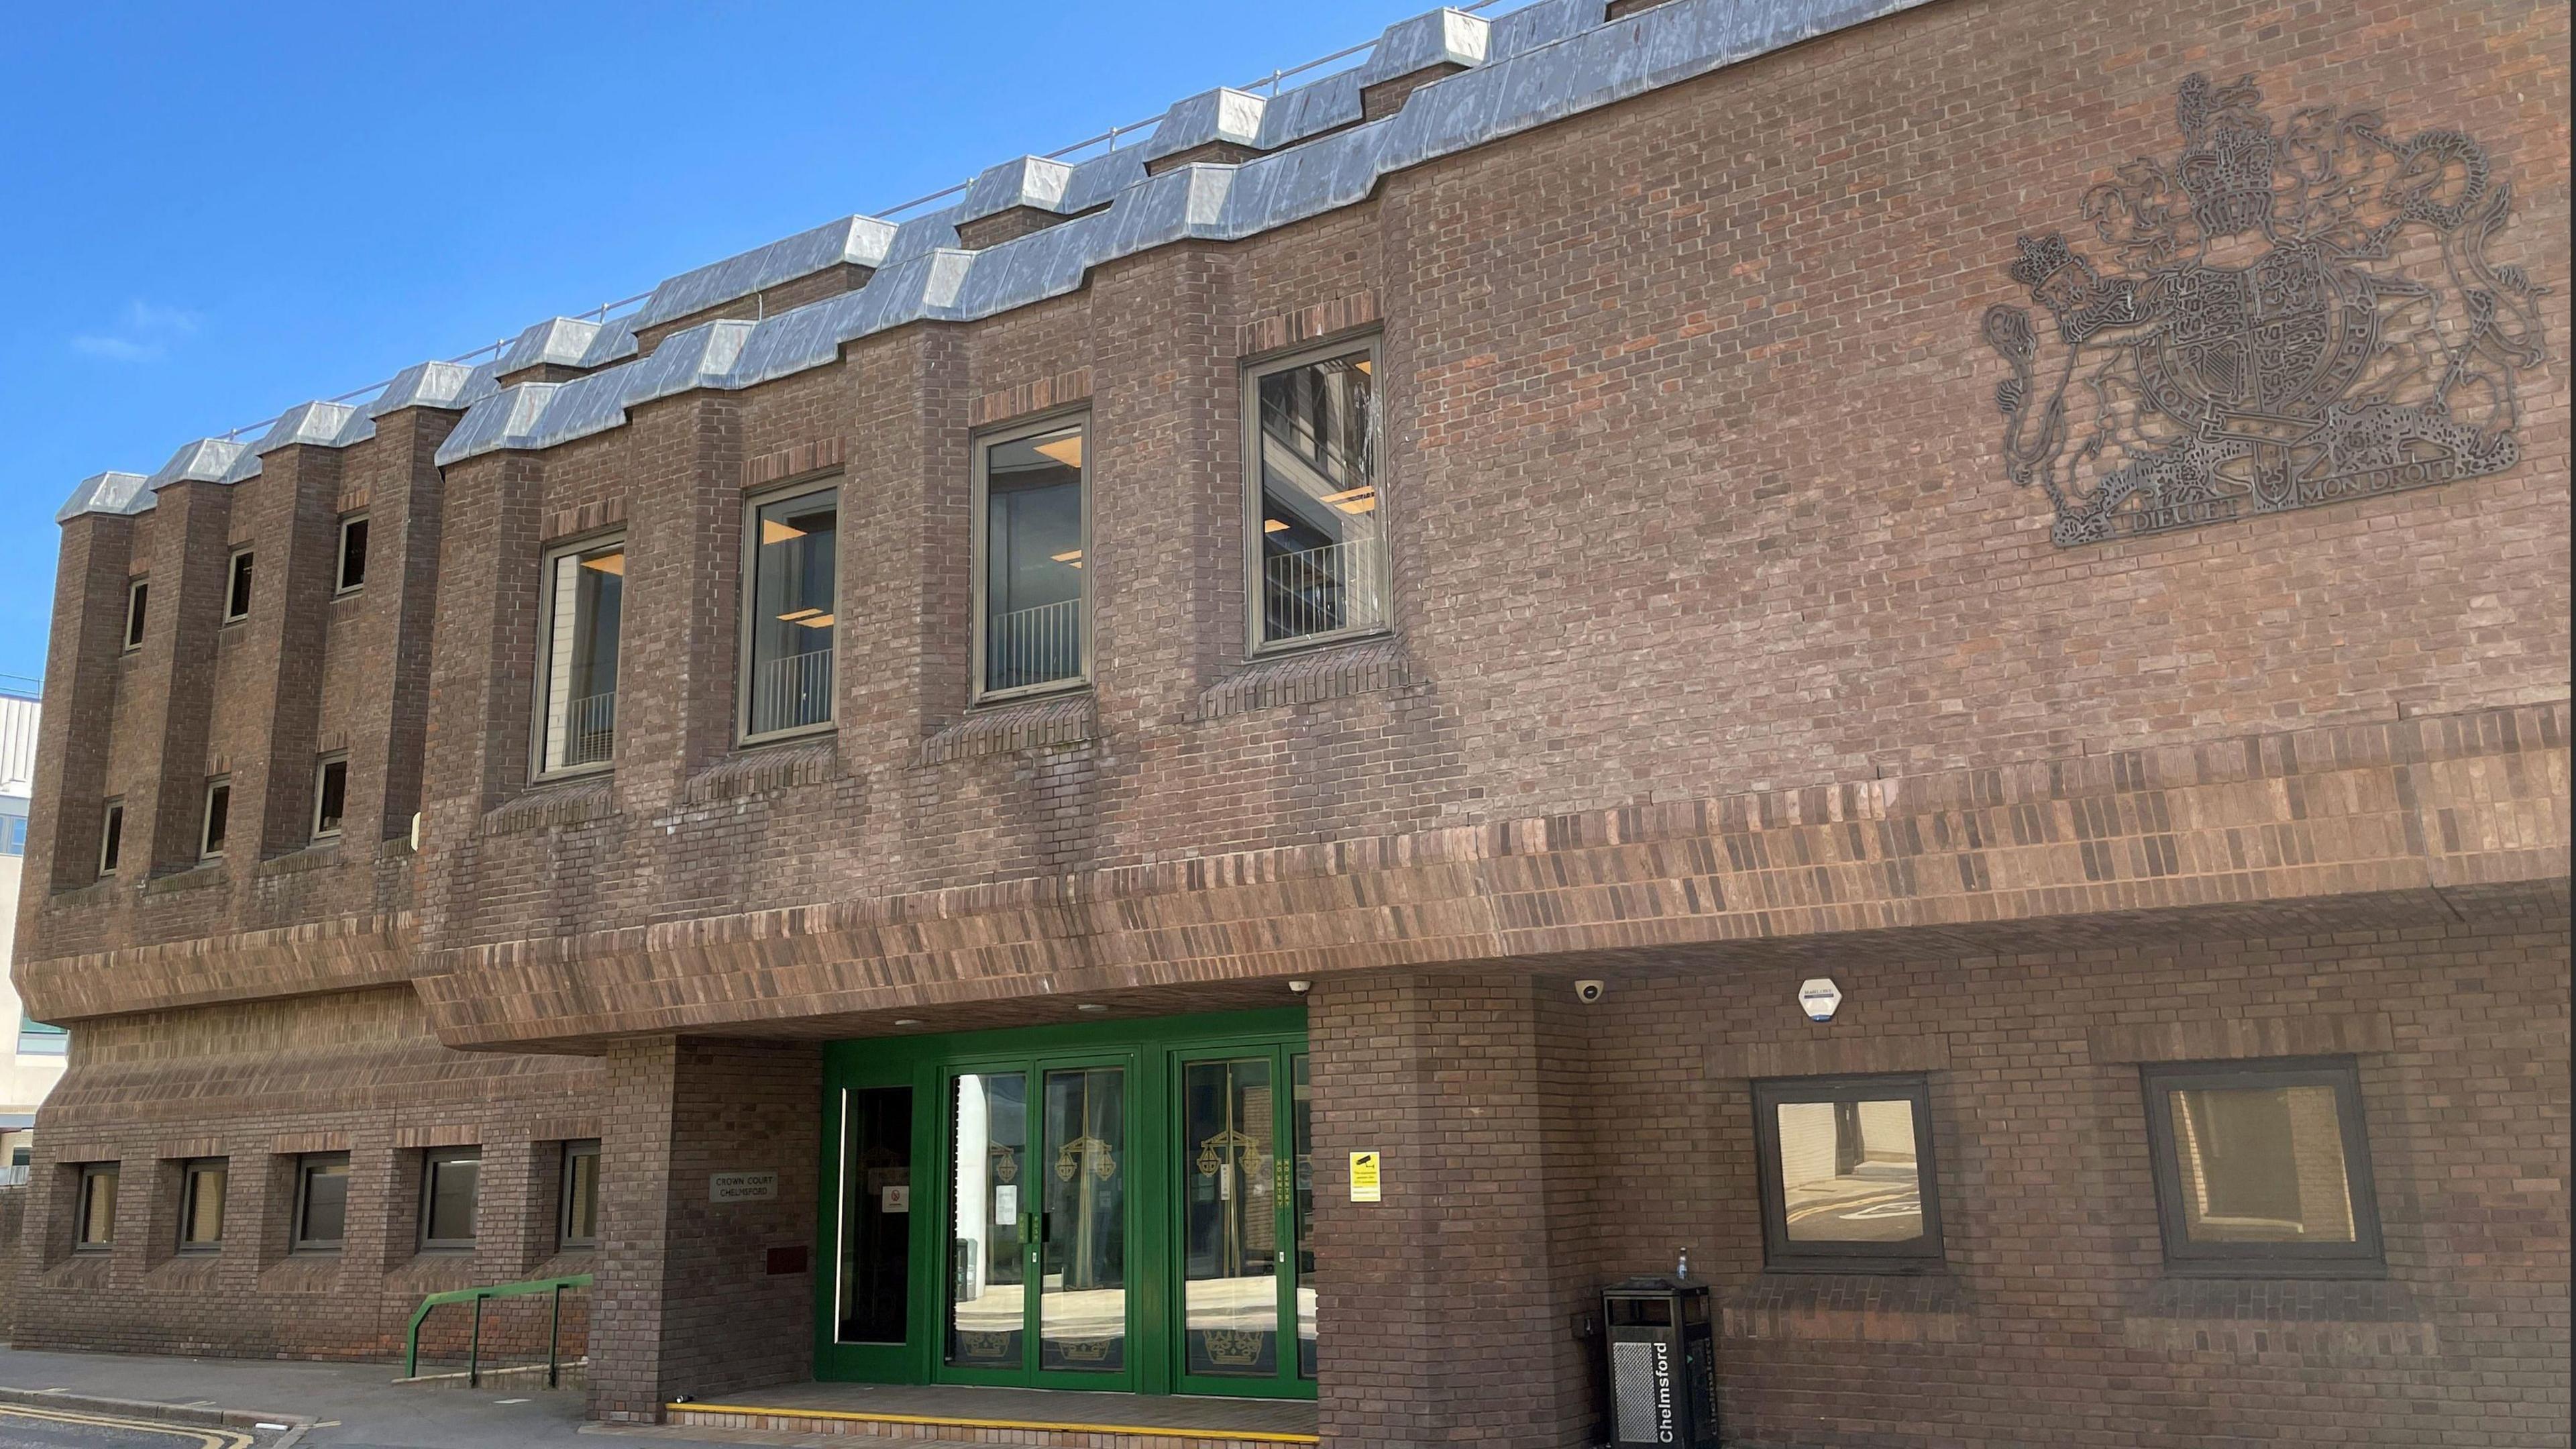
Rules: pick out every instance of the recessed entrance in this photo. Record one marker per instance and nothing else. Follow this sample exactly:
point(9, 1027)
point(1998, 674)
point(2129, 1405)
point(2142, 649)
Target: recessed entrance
point(1120, 1207)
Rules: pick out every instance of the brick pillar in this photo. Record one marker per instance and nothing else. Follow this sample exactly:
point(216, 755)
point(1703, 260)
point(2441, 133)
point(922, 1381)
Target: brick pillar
point(82, 667)
point(1445, 1310)
point(403, 514)
point(694, 1296)
point(174, 680)
point(293, 524)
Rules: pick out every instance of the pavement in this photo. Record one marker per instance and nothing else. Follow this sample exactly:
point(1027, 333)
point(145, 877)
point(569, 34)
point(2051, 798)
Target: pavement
point(125, 1401)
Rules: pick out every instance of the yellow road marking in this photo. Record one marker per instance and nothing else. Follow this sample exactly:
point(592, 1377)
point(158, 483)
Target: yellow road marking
point(1251, 1436)
point(196, 1437)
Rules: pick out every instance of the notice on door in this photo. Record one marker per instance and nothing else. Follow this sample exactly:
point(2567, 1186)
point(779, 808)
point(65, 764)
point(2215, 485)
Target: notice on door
point(1364, 1177)
point(743, 1187)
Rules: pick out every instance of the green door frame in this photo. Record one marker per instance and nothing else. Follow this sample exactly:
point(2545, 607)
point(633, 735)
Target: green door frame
point(1150, 1050)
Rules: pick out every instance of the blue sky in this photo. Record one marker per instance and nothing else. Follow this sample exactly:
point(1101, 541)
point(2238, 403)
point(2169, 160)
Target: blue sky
point(209, 213)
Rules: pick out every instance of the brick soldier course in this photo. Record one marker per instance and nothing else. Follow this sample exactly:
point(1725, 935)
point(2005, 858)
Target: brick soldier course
point(1723, 652)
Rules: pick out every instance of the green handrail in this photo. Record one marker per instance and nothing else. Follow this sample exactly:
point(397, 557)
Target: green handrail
point(475, 1296)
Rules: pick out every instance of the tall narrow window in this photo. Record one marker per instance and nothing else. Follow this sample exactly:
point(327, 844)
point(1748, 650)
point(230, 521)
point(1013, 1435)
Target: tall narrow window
point(111, 837)
point(219, 809)
point(138, 593)
point(449, 1182)
point(2262, 1169)
point(353, 552)
point(1847, 1177)
point(237, 587)
point(792, 613)
point(1318, 535)
point(13, 825)
point(96, 1225)
point(201, 1205)
point(585, 602)
point(321, 1201)
point(578, 1225)
point(330, 795)
point(1034, 534)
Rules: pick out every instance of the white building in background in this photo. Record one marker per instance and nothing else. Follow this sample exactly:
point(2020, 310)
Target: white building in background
point(35, 1051)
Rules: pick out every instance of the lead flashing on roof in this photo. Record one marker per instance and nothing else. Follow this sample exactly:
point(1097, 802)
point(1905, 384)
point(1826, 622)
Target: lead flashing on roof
point(1536, 65)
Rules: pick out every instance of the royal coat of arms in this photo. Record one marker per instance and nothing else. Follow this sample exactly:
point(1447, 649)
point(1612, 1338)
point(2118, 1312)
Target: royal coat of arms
point(2284, 318)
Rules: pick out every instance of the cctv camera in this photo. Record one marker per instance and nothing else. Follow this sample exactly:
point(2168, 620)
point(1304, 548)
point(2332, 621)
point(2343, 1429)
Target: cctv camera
point(1588, 992)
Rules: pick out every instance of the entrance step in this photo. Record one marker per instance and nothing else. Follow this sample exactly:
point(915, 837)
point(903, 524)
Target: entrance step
point(945, 1416)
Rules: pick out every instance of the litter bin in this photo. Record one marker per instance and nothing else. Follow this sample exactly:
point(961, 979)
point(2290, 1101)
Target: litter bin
point(1663, 1362)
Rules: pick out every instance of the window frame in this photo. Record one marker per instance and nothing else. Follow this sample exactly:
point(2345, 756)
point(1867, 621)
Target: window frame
point(540, 681)
point(1248, 402)
point(190, 1169)
point(210, 850)
point(241, 577)
point(834, 483)
point(321, 771)
point(111, 836)
point(982, 445)
point(1781, 1254)
point(431, 1159)
point(2364, 1257)
point(138, 603)
point(90, 1175)
point(299, 1239)
point(566, 1240)
point(340, 584)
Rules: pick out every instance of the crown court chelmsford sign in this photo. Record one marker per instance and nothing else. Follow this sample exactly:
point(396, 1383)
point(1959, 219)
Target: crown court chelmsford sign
point(2285, 318)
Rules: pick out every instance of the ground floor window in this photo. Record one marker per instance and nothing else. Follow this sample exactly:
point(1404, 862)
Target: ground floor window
point(1847, 1174)
point(579, 1223)
point(2262, 1168)
point(201, 1205)
point(95, 1227)
point(450, 1179)
point(321, 1201)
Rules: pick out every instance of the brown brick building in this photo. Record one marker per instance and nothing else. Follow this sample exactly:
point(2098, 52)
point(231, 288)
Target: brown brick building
point(1972, 502)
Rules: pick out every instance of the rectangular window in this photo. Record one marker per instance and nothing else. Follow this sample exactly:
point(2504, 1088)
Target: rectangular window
point(13, 826)
point(237, 587)
point(330, 795)
point(1319, 560)
point(321, 1201)
point(790, 620)
point(111, 837)
point(577, 697)
point(96, 1225)
point(578, 1226)
point(1847, 1174)
point(448, 1181)
point(138, 593)
point(201, 1205)
point(219, 809)
point(353, 552)
point(36, 1039)
point(1033, 532)
point(2262, 1169)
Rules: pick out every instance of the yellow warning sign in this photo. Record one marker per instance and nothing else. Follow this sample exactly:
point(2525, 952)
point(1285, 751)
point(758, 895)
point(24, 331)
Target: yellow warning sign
point(1364, 1177)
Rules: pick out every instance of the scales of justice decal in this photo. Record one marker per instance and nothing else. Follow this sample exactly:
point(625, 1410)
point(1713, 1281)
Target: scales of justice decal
point(2280, 318)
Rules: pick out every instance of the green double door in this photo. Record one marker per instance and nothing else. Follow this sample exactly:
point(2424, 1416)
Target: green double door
point(1103, 1208)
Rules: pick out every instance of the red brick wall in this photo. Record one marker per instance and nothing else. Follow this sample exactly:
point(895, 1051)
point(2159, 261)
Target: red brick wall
point(259, 1084)
point(690, 1300)
point(2056, 1322)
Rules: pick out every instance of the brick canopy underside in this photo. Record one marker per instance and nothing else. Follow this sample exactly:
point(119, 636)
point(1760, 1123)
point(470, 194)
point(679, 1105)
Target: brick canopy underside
point(2319, 829)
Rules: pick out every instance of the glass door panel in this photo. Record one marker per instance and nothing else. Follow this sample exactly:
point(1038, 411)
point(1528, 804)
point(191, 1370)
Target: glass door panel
point(1302, 1131)
point(876, 1214)
point(987, 1269)
point(1082, 1311)
point(1230, 1218)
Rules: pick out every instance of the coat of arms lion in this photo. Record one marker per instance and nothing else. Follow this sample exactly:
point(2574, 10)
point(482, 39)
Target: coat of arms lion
point(2283, 318)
